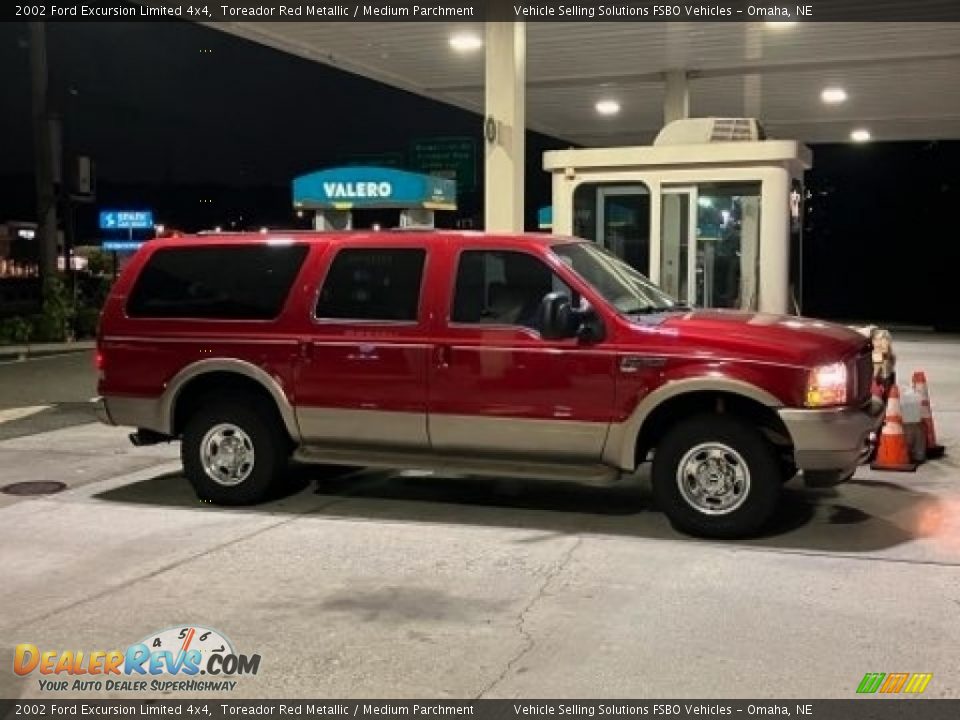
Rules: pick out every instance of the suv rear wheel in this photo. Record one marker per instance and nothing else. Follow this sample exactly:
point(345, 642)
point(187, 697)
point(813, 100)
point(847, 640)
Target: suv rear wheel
point(234, 452)
point(716, 476)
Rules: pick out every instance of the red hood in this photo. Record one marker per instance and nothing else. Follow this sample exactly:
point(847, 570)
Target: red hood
point(772, 338)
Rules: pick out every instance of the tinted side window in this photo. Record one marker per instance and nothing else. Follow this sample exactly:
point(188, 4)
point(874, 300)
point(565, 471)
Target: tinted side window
point(373, 284)
point(502, 288)
point(230, 282)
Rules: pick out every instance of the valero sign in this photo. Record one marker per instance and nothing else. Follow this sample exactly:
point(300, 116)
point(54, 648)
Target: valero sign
point(347, 188)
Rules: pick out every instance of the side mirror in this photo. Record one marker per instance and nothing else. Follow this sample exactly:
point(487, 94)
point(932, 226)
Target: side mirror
point(557, 317)
point(559, 320)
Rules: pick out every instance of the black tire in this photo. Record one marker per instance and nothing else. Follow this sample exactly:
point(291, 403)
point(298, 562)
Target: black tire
point(761, 463)
point(262, 427)
point(788, 470)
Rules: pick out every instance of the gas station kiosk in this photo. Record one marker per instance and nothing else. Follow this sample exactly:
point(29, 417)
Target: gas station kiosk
point(711, 211)
point(335, 194)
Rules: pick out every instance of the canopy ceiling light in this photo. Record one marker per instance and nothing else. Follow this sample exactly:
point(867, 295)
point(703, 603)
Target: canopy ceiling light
point(465, 42)
point(607, 107)
point(833, 95)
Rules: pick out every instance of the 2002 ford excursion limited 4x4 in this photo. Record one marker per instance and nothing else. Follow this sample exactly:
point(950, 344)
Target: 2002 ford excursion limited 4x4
point(515, 355)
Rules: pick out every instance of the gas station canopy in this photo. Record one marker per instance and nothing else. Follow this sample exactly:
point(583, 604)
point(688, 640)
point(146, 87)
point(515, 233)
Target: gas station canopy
point(895, 77)
point(617, 84)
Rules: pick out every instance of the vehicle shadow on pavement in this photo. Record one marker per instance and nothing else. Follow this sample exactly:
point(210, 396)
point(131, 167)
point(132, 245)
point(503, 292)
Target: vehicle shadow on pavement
point(861, 516)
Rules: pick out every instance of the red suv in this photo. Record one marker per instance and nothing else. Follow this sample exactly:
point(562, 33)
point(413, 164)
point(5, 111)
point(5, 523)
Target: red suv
point(512, 355)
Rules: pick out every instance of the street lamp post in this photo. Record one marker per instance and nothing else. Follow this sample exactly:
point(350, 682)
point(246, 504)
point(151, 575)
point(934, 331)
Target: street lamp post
point(43, 154)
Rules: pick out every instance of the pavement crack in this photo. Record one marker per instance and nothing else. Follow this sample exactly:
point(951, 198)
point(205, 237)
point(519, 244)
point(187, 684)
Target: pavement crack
point(521, 623)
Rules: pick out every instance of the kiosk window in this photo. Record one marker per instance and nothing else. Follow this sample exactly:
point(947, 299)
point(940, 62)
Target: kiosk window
point(502, 288)
point(373, 284)
point(728, 245)
point(617, 217)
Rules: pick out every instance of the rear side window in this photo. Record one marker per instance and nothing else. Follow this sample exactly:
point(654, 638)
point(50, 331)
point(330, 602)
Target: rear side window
point(373, 284)
point(229, 282)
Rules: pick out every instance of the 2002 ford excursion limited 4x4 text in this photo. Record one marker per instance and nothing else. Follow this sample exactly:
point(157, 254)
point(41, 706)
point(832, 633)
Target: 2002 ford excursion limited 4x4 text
point(514, 355)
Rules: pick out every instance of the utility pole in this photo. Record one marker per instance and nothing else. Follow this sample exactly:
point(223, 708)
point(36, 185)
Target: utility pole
point(43, 154)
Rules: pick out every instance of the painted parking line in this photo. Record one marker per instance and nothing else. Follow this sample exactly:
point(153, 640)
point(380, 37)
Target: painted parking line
point(11, 414)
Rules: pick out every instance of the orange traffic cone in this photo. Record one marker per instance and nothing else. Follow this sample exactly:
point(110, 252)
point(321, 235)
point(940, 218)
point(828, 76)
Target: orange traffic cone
point(892, 453)
point(920, 387)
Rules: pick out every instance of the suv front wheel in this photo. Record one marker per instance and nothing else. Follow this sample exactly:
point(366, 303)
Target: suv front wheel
point(716, 476)
point(232, 453)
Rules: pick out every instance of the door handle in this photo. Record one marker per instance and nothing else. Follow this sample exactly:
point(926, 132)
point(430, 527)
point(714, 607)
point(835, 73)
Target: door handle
point(635, 363)
point(444, 356)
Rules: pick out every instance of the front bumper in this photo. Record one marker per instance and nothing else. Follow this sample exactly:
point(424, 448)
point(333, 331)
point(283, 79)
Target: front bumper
point(832, 438)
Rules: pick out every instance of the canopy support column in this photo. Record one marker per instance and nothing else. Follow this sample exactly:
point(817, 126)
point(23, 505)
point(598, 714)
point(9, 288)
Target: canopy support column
point(504, 126)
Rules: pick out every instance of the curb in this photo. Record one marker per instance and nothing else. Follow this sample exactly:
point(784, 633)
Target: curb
point(25, 352)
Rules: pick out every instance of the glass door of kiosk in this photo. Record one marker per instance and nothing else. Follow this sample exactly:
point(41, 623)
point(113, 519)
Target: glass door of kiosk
point(678, 244)
point(623, 223)
point(709, 250)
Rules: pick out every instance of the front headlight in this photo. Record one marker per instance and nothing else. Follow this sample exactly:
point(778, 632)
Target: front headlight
point(827, 385)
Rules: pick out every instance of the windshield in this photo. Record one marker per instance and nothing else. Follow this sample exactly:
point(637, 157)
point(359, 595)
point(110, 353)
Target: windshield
point(618, 283)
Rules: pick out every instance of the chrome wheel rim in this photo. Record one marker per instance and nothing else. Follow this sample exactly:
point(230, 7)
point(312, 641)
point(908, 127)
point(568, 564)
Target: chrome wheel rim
point(227, 454)
point(713, 478)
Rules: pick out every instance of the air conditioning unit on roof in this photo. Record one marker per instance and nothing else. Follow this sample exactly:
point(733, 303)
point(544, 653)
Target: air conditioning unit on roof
point(692, 131)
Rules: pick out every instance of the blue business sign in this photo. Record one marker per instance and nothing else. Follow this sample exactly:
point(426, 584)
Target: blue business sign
point(126, 220)
point(373, 187)
point(120, 246)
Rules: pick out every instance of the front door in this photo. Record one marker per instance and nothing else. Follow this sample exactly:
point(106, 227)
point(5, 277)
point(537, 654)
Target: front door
point(362, 376)
point(623, 223)
point(496, 386)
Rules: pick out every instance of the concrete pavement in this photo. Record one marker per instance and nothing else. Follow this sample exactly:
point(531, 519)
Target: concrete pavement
point(46, 393)
point(61, 378)
point(372, 584)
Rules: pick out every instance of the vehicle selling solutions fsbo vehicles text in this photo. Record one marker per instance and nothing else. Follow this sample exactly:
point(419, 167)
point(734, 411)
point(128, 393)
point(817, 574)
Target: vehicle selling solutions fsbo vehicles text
point(664, 11)
point(594, 11)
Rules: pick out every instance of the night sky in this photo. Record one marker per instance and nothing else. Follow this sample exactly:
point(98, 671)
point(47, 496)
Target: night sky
point(155, 107)
point(175, 113)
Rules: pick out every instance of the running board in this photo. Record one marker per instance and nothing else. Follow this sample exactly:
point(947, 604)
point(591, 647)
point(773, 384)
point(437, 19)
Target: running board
point(585, 474)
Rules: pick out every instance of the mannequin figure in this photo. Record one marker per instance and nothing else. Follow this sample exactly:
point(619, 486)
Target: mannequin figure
point(884, 361)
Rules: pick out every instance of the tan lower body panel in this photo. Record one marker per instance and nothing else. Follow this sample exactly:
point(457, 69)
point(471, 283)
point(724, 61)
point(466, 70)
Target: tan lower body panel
point(363, 427)
point(462, 444)
point(549, 440)
point(533, 438)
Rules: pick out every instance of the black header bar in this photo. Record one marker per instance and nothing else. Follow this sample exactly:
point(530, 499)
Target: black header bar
point(486, 10)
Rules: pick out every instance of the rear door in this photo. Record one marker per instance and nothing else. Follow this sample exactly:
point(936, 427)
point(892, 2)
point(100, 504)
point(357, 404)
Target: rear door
point(362, 377)
point(496, 386)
